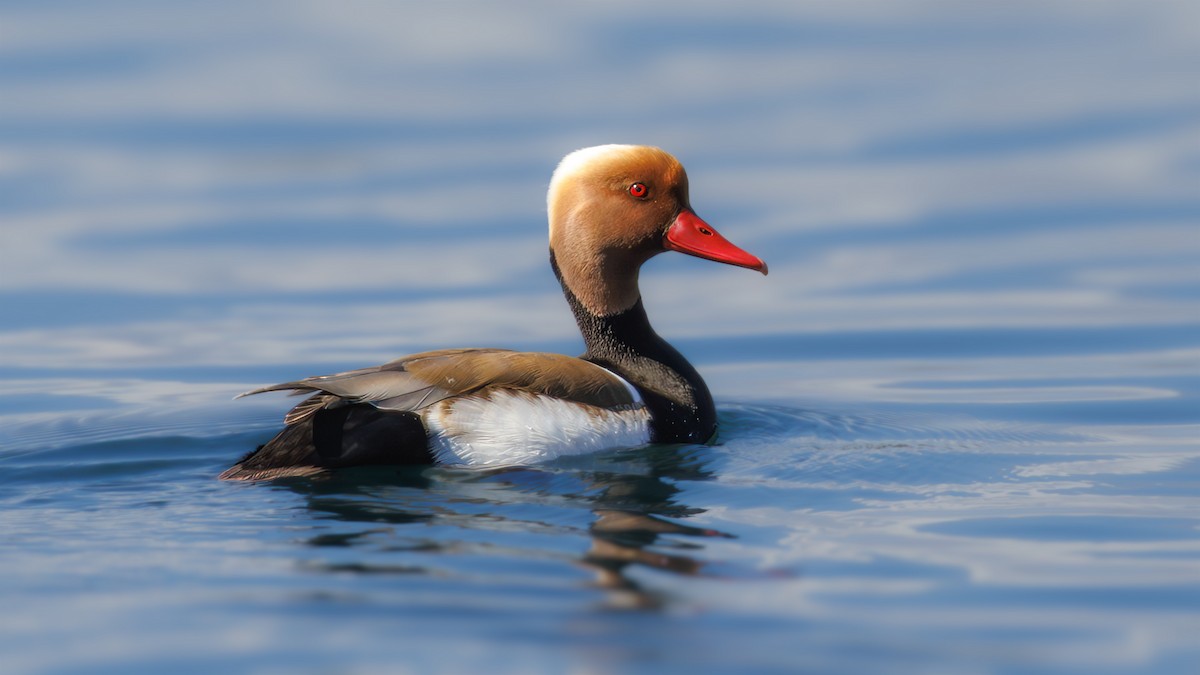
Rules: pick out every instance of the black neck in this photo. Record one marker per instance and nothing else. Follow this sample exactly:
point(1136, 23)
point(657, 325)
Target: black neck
point(681, 408)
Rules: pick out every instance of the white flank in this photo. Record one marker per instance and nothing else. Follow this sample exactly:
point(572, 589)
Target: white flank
point(514, 427)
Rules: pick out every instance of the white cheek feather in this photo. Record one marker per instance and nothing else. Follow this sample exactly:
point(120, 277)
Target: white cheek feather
point(515, 427)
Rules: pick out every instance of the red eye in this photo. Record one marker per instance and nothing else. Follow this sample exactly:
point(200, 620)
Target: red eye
point(639, 190)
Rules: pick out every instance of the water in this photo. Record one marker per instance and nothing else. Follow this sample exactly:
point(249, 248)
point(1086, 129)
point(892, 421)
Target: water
point(959, 419)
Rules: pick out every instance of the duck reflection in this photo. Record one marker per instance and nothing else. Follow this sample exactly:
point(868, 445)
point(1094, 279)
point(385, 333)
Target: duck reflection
point(633, 498)
point(633, 511)
point(621, 539)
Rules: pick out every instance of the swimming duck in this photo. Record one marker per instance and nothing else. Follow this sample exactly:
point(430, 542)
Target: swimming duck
point(611, 208)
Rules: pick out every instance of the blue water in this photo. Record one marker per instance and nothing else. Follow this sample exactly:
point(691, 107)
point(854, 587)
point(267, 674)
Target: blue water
point(960, 419)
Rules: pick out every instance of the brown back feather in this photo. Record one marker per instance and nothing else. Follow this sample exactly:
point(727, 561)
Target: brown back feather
point(420, 380)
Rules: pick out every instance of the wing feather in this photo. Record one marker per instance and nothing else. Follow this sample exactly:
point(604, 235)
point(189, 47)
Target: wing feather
point(421, 380)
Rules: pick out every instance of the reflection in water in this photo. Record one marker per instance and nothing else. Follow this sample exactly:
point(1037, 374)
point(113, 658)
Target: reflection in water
point(632, 508)
point(620, 539)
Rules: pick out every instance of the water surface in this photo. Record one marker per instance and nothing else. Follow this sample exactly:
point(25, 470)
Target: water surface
point(959, 419)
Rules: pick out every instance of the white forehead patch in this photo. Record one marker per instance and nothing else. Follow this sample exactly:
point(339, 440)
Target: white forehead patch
point(573, 163)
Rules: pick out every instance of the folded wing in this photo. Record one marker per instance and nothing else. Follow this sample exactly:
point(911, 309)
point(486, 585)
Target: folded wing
point(421, 380)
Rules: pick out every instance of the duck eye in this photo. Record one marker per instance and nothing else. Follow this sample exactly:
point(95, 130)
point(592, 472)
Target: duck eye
point(639, 190)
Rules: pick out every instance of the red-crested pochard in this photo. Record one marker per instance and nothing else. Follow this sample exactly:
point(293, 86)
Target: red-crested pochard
point(611, 208)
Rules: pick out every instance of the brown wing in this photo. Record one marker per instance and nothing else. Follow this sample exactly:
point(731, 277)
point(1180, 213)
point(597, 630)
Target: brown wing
point(420, 380)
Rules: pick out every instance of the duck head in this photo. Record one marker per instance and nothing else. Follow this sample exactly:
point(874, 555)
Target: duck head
point(612, 208)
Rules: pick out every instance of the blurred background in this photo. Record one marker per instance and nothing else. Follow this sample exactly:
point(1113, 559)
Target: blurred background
point(207, 184)
point(963, 403)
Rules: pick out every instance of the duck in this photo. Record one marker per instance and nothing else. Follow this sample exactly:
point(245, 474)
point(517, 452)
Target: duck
point(610, 209)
